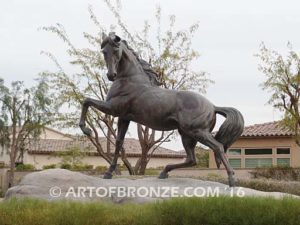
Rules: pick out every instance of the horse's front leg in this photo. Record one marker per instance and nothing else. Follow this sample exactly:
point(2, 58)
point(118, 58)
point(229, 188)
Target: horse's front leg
point(103, 106)
point(122, 129)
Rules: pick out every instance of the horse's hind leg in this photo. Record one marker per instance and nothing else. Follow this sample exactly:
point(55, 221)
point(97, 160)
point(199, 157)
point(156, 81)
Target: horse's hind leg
point(207, 139)
point(189, 146)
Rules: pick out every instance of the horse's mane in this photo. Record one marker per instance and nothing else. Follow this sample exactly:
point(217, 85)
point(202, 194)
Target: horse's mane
point(147, 67)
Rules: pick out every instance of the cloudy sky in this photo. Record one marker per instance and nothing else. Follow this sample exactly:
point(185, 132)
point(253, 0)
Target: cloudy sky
point(229, 35)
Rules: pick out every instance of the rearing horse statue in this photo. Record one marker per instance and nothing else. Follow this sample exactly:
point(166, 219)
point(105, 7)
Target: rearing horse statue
point(135, 95)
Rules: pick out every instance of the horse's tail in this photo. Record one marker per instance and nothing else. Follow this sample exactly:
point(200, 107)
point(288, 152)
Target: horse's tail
point(232, 128)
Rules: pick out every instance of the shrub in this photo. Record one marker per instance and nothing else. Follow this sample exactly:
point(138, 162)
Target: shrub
point(268, 185)
point(89, 167)
point(101, 168)
point(50, 166)
point(291, 187)
point(24, 167)
point(82, 167)
point(278, 173)
point(152, 172)
point(202, 157)
point(66, 166)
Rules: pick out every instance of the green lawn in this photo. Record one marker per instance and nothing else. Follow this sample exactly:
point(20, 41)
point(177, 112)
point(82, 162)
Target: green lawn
point(189, 211)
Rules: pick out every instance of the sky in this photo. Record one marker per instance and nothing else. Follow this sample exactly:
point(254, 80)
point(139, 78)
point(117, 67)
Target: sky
point(229, 35)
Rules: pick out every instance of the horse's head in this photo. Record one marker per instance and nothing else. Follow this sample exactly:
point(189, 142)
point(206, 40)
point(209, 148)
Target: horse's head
point(112, 53)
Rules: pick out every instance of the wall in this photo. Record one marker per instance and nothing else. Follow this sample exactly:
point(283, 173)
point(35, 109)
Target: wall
point(265, 142)
point(52, 134)
point(39, 160)
point(46, 134)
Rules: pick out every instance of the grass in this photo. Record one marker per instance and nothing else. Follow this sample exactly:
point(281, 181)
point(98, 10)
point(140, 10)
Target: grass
point(183, 211)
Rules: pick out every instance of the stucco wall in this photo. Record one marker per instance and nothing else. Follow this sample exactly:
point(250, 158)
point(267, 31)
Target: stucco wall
point(40, 160)
point(52, 134)
point(266, 142)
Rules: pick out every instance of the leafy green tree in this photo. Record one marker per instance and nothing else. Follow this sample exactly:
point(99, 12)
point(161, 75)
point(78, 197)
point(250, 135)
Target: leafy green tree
point(283, 81)
point(72, 156)
point(24, 113)
point(171, 59)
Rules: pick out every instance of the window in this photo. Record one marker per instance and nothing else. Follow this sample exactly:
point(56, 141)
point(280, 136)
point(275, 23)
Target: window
point(258, 151)
point(259, 162)
point(283, 151)
point(234, 151)
point(283, 162)
point(235, 163)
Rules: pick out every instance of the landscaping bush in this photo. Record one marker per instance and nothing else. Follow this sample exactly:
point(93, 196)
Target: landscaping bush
point(278, 173)
point(291, 187)
point(82, 167)
point(152, 172)
point(180, 211)
point(50, 166)
point(101, 168)
point(66, 166)
point(25, 167)
point(268, 185)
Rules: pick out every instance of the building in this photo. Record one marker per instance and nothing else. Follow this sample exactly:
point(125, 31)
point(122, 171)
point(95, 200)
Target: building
point(263, 145)
point(43, 152)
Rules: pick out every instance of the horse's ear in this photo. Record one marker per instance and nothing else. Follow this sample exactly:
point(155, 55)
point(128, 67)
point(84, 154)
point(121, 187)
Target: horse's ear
point(117, 39)
point(114, 37)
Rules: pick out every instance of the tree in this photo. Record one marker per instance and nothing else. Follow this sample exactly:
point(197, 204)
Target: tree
point(171, 59)
point(24, 113)
point(283, 81)
point(72, 156)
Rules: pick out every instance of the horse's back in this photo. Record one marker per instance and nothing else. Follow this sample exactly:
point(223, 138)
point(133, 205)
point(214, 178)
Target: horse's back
point(195, 111)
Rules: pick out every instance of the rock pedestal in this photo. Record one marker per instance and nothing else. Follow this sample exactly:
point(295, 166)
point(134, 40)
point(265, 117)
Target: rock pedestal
point(60, 184)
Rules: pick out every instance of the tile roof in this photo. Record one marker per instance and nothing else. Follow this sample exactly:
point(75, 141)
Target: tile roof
point(132, 147)
point(270, 129)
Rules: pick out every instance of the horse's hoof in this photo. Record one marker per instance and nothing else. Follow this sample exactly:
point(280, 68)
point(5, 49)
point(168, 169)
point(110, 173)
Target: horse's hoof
point(163, 175)
point(87, 131)
point(107, 175)
point(231, 181)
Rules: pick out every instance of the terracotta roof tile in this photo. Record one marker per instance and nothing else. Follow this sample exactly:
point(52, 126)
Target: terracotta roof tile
point(132, 147)
point(270, 129)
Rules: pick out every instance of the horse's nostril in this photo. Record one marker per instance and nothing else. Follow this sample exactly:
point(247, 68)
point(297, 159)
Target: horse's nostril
point(111, 76)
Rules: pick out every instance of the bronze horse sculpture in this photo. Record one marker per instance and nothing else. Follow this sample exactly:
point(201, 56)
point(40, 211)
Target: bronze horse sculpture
point(135, 95)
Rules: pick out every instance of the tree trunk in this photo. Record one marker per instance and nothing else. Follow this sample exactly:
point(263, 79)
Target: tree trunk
point(137, 166)
point(12, 167)
point(11, 174)
point(13, 149)
point(143, 163)
point(126, 162)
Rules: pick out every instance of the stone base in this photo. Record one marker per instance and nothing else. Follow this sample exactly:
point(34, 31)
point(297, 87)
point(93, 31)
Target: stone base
point(60, 184)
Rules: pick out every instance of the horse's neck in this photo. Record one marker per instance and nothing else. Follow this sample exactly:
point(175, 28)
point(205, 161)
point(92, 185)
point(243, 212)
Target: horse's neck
point(130, 67)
